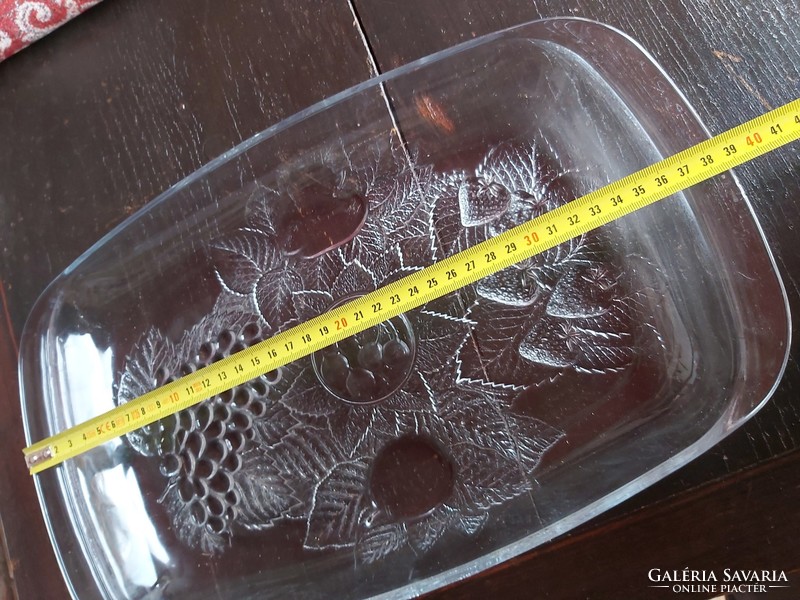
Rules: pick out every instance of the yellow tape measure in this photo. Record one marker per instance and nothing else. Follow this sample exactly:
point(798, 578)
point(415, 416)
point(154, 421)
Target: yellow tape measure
point(674, 174)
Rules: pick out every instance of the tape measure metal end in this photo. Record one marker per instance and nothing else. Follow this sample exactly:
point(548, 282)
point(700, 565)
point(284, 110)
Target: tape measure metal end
point(39, 456)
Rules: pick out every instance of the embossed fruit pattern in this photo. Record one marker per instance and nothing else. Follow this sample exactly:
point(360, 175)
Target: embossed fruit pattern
point(400, 434)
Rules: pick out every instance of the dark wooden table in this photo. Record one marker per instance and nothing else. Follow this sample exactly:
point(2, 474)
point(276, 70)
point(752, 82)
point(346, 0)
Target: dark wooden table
point(105, 113)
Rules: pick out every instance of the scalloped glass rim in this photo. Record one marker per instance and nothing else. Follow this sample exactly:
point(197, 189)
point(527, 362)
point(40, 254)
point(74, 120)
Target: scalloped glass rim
point(669, 123)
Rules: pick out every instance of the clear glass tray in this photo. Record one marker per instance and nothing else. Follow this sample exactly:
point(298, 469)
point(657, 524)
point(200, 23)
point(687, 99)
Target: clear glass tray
point(448, 439)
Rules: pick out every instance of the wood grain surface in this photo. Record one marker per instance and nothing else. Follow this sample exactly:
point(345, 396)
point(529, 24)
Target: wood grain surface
point(119, 104)
point(5, 579)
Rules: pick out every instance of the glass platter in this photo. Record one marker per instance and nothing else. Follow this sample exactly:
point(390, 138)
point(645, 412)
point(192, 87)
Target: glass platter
point(448, 439)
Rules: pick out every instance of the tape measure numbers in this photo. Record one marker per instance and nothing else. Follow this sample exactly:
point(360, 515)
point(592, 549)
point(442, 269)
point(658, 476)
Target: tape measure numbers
point(664, 178)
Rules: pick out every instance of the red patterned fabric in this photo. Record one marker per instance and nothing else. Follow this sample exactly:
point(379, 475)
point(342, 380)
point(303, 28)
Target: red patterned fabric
point(22, 22)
